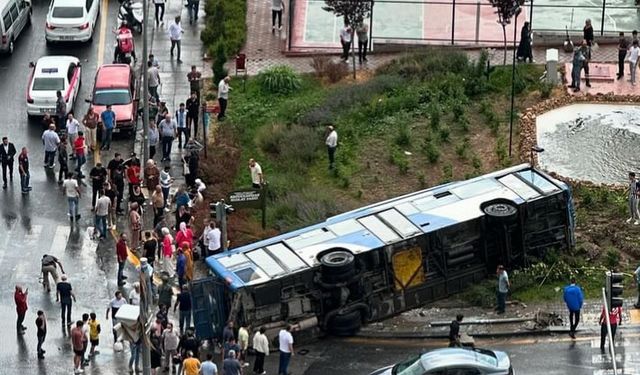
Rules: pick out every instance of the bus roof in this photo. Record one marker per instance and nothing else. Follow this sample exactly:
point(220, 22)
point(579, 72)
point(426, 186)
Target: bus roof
point(380, 224)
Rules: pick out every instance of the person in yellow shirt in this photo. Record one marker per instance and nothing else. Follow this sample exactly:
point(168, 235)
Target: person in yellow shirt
point(243, 342)
point(94, 334)
point(190, 366)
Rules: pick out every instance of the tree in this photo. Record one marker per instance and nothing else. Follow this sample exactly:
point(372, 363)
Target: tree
point(354, 13)
point(506, 9)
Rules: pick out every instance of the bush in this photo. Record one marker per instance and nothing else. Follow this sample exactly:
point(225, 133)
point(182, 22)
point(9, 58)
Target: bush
point(403, 138)
point(447, 173)
point(432, 152)
point(399, 158)
point(445, 134)
point(279, 80)
point(219, 71)
point(463, 148)
point(612, 258)
point(225, 23)
point(335, 71)
point(428, 64)
point(434, 115)
point(319, 65)
point(546, 89)
point(294, 145)
point(297, 208)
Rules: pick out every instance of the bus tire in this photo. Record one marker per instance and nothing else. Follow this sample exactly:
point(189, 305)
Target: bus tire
point(337, 266)
point(345, 324)
point(501, 210)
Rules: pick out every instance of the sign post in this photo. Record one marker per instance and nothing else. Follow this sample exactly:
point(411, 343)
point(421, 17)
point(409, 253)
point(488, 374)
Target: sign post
point(251, 198)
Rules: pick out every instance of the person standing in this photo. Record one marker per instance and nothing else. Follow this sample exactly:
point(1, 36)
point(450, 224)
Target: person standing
point(574, 298)
point(576, 68)
point(168, 129)
point(61, 110)
point(94, 334)
point(615, 318)
point(122, 254)
point(72, 192)
point(587, 32)
point(636, 276)
point(63, 159)
point(345, 41)
point(181, 270)
point(191, 365)
point(108, 117)
point(7, 153)
point(257, 178)
point(208, 367)
point(213, 239)
point(154, 139)
point(118, 182)
point(175, 34)
point(165, 183)
point(79, 148)
point(134, 295)
point(362, 31)
point(98, 176)
point(503, 288)
point(634, 191)
point(102, 209)
point(223, 97)
point(73, 128)
point(454, 332)
point(184, 302)
point(230, 365)
point(135, 222)
point(153, 77)
point(261, 346)
point(23, 168)
point(170, 340)
point(159, 7)
point(633, 60)
point(114, 305)
point(181, 121)
point(193, 109)
point(195, 81)
point(20, 298)
point(623, 46)
point(112, 194)
point(48, 267)
point(41, 332)
point(90, 122)
point(150, 247)
point(157, 201)
point(243, 343)
point(332, 143)
point(586, 52)
point(277, 7)
point(524, 48)
point(77, 343)
point(85, 338)
point(66, 297)
point(286, 350)
point(51, 140)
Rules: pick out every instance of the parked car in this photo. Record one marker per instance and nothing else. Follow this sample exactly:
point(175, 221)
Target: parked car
point(16, 15)
point(71, 20)
point(116, 85)
point(453, 361)
point(48, 75)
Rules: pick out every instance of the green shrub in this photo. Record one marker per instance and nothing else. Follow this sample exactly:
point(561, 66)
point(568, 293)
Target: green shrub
point(434, 115)
point(463, 148)
point(319, 64)
point(445, 134)
point(476, 82)
point(297, 208)
point(422, 180)
point(279, 79)
point(296, 145)
point(225, 23)
point(219, 71)
point(502, 152)
point(326, 67)
point(403, 138)
point(463, 123)
point(428, 64)
point(398, 158)
point(447, 173)
point(481, 294)
point(612, 258)
point(432, 152)
point(476, 163)
point(458, 110)
point(546, 89)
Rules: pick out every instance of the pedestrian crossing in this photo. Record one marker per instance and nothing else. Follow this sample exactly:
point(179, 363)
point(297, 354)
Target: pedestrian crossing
point(627, 357)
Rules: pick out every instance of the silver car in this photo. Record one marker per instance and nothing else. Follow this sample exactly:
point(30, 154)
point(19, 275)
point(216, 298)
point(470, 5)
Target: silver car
point(453, 361)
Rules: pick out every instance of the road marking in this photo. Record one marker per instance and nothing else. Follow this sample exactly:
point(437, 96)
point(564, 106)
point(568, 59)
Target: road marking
point(60, 238)
point(104, 12)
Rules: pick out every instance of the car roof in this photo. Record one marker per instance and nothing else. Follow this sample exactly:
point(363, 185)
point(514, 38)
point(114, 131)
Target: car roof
point(445, 357)
point(69, 3)
point(54, 66)
point(113, 75)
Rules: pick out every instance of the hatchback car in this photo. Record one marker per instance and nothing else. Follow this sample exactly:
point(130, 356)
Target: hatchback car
point(48, 75)
point(115, 85)
point(453, 361)
point(71, 20)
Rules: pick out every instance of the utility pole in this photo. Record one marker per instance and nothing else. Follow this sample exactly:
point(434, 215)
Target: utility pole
point(148, 294)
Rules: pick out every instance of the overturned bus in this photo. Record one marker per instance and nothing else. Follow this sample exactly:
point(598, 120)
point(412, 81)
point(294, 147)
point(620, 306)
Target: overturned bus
point(377, 261)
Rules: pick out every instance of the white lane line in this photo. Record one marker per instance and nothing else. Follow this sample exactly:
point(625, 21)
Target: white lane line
point(60, 239)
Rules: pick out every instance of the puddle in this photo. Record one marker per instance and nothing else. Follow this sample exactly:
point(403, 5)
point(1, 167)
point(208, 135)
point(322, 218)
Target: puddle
point(593, 142)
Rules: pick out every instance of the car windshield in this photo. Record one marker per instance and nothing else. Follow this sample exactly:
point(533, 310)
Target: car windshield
point(412, 366)
point(113, 97)
point(47, 84)
point(67, 12)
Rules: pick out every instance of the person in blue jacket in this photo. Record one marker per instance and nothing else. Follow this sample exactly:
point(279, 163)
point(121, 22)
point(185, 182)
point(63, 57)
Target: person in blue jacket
point(574, 298)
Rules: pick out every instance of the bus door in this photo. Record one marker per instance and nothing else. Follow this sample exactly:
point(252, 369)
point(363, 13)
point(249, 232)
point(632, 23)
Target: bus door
point(209, 307)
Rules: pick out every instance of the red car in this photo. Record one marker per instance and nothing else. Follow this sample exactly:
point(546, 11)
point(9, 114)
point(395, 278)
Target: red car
point(116, 84)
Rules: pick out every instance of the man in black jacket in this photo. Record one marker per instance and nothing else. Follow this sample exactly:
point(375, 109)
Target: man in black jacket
point(7, 152)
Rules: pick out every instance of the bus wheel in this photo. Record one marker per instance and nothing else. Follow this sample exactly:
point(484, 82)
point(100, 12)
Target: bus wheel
point(500, 210)
point(337, 266)
point(347, 324)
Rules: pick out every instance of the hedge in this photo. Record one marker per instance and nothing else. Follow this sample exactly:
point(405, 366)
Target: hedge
point(225, 24)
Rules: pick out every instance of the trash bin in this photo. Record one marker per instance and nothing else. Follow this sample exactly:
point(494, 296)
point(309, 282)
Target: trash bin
point(552, 66)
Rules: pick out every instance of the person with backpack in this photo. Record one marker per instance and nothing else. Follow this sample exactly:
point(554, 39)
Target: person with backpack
point(574, 299)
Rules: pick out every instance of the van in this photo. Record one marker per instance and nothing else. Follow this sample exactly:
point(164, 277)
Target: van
point(14, 16)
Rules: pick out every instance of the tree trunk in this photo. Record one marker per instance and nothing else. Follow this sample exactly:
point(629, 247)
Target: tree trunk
point(504, 35)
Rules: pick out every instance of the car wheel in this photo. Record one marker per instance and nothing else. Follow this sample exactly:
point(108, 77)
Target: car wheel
point(502, 210)
point(345, 324)
point(337, 265)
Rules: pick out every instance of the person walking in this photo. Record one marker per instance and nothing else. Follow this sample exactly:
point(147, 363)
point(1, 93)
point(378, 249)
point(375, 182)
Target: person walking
point(51, 140)
point(118, 182)
point(121, 254)
point(208, 367)
point(102, 209)
point(157, 201)
point(151, 175)
point(108, 117)
point(72, 192)
point(331, 142)
point(503, 289)
point(168, 130)
point(98, 176)
point(112, 194)
point(362, 32)
point(181, 270)
point(175, 35)
point(586, 52)
point(181, 121)
point(154, 138)
point(193, 109)
point(66, 297)
point(165, 183)
point(114, 305)
point(79, 148)
point(223, 96)
point(90, 123)
point(73, 129)
point(61, 110)
point(623, 46)
point(277, 8)
point(286, 350)
point(20, 298)
point(85, 338)
point(23, 168)
point(261, 346)
point(41, 332)
point(7, 153)
point(153, 79)
point(94, 334)
point(454, 332)
point(167, 252)
point(633, 193)
point(170, 341)
point(615, 318)
point(524, 48)
point(183, 301)
point(63, 159)
point(159, 7)
point(633, 61)
point(574, 299)
point(191, 365)
point(345, 41)
point(195, 81)
point(257, 178)
point(48, 267)
point(77, 336)
point(230, 365)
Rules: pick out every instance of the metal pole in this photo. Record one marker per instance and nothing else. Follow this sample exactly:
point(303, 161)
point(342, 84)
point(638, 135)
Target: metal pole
point(453, 22)
point(531, 15)
point(513, 83)
point(611, 346)
point(223, 225)
point(604, 6)
point(371, 27)
point(205, 120)
point(144, 318)
point(290, 22)
point(478, 22)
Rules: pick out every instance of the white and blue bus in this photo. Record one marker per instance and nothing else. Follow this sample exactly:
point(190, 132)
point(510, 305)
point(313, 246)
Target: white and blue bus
point(377, 261)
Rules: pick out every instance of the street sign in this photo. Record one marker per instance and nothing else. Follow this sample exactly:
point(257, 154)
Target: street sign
point(251, 198)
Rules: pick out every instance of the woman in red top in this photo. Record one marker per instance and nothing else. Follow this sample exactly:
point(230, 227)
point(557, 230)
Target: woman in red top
point(167, 251)
point(615, 318)
point(185, 234)
point(20, 298)
point(133, 176)
point(79, 149)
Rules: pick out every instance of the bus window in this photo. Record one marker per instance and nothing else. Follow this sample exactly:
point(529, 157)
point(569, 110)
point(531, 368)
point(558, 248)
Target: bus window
point(399, 223)
point(247, 274)
point(266, 262)
point(345, 227)
point(378, 228)
point(519, 187)
point(540, 182)
point(475, 188)
point(286, 257)
point(429, 203)
point(233, 260)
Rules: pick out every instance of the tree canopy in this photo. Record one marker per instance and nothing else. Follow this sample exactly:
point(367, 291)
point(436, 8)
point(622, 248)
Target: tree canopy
point(353, 11)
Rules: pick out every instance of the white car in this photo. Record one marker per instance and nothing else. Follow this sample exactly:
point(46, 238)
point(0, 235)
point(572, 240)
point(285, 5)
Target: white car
point(71, 20)
point(48, 75)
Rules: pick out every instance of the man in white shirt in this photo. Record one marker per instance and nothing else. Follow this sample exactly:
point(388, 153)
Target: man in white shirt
point(134, 295)
point(257, 178)
point(72, 192)
point(153, 80)
point(175, 34)
point(261, 346)
point(286, 349)
point(73, 127)
point(634, 51)
point(332, 143)
point(168, 129)
point(345, 40)
point(213, 238)
point(223, 96)
point(102, 209)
